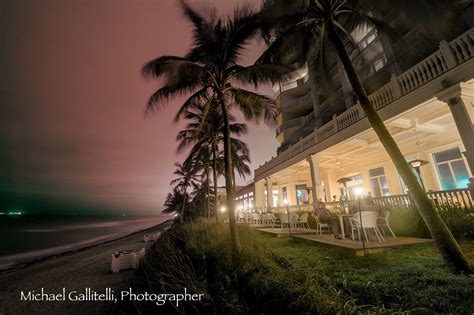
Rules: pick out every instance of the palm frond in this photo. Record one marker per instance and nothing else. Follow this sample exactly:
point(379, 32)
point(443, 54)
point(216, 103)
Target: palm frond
point(254, 106)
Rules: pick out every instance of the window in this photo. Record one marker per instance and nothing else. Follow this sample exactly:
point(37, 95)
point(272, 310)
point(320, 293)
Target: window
point(452, 171)
point(275, 198)
point(368, 39)
point(379, 183)
point(284, 193)
point(379, 63)
point(301, 195)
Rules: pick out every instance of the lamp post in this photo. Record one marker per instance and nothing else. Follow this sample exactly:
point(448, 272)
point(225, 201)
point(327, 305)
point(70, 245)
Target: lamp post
point(416, 164)
point(358, 192)
point(285, 202)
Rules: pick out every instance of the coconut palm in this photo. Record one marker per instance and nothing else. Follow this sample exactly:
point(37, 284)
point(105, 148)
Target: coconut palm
point(329, 22)
point(186, 179)
point(174, 201)
point(207, 137)
point(211, 71)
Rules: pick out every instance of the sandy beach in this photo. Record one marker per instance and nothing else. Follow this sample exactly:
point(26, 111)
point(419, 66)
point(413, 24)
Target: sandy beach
point(73, 271)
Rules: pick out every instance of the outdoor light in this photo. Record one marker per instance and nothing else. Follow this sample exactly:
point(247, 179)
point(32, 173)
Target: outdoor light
point(416, 164)
point(358, 191)
point(285, 202)
point(222, 209)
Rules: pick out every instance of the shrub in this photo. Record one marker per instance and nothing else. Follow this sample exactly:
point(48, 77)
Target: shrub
point(406, 221)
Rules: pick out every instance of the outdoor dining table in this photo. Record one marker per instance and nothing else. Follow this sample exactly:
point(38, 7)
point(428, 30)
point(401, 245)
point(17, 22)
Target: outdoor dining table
point(341, 223)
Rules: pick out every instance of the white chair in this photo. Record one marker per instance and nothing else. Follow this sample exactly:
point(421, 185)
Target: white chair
point(303, 221)
point(240, 217)
point(294, 219)
point(369, 221)
point(382, 222)
point(151, 237)
point(284, 220)
point(320, 226)
point(127, 259)
point(256, 218)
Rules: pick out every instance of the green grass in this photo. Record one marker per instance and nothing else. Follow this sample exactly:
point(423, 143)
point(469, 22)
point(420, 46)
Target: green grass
point(281, 276)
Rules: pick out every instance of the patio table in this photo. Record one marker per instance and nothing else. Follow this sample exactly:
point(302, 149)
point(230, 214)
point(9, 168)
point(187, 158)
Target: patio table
point(341, 223)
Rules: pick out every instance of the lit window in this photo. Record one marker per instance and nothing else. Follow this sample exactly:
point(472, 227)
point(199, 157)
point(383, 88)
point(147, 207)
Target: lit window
point(452, 171)
point(379, 63)
point(301, 195)
point(379, 182)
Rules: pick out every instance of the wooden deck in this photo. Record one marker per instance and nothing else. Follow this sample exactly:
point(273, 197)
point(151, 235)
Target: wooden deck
point(356, 247)
point(279, 232)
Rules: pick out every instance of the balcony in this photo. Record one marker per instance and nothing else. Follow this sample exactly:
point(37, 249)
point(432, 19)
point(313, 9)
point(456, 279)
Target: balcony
point(449, 56)
point(299, 104)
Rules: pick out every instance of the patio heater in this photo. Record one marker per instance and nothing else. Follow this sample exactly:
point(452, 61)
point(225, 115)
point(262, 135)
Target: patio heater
point(416, 164)
point(358, 192)
point(285, 202)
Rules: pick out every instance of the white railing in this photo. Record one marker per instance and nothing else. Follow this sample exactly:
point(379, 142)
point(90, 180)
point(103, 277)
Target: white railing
point(447, 57)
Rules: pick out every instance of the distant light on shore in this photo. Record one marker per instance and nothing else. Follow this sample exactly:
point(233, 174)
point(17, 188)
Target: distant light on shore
point(12, 212)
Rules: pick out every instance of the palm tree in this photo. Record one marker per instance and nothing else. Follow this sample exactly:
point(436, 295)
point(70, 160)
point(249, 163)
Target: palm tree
point(211, 70)
point(207, 137)
point(174, 201)
point(330, 22)
point(186, 179)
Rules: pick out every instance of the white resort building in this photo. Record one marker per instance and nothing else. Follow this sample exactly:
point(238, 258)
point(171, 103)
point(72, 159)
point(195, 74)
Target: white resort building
point(330, 153)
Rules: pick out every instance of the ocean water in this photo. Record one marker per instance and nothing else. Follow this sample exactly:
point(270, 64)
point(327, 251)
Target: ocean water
point(28, 237)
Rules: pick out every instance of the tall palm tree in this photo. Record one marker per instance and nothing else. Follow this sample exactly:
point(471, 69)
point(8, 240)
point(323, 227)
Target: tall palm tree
point(207, 137)
point(186, 179)
point(329, 22)
point(211, 70)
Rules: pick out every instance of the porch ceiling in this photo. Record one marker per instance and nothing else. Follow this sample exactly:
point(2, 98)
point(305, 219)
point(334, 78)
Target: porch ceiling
point(414, 131)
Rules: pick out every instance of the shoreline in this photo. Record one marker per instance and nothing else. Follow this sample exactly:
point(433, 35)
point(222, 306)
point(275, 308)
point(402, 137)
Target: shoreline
point(22, 264)
point(77, 270)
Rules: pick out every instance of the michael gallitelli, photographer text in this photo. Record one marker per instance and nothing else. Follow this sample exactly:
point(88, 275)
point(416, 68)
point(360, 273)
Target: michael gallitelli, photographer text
point(108, 296)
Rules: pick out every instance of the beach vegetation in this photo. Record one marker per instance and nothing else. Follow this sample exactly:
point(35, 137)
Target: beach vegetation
point(278, 275)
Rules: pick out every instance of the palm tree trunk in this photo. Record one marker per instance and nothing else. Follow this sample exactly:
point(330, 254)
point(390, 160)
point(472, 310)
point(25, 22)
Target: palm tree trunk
point(181, 216)
point(208, 193)
point(447, 245)
point(214, 180)
point(229, 184)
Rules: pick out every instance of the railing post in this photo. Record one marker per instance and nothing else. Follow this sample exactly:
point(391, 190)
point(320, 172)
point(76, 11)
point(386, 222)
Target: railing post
point(447, 54)
point(335, 124)
point(315, 133)
point(397, 88)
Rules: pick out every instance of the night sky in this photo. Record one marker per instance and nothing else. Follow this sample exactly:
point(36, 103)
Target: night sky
point(73, 135)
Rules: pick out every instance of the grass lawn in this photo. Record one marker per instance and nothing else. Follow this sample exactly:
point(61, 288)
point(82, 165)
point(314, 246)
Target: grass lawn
point(277, 275)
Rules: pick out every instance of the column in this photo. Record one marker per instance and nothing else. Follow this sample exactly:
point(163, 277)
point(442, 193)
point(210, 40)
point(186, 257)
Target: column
point(259, 197)
point(269, 193)
point(462, 109)
point(316, 188)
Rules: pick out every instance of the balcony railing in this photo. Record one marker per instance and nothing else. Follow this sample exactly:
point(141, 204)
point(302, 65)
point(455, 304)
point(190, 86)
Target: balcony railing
point(444, 200)
point(450, 55)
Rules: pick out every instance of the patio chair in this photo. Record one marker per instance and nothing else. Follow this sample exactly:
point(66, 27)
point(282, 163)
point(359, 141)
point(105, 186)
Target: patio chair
point(256, 218)
point(320, 226)
point(294, 219)
point(382, 222)
point(284, 221)
point(303, 221)
point(369, 221)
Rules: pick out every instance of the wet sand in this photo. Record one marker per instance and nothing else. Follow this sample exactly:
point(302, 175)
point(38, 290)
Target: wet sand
point(74, 271)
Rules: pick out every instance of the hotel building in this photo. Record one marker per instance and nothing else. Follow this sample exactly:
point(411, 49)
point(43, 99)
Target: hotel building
point(328, 150)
